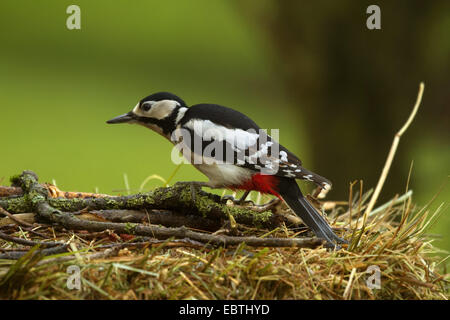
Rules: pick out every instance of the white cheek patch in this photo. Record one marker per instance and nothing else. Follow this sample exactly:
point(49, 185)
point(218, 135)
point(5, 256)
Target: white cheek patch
point(159, 110)
point(162, 109)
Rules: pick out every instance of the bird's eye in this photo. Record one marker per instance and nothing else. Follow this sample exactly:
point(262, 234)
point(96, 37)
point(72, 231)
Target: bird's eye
point(146, 106)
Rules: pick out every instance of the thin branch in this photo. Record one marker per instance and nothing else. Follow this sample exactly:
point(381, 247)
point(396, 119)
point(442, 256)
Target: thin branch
point(92, 256)
point(163, 217)
point(391, 154)
point(15, 219)
point(53, 192)
point(69, 221)
point(24, 217)
point(14, 255)
point(158, 217)
point(10, 191)
point(25, 242)
point(150, 242)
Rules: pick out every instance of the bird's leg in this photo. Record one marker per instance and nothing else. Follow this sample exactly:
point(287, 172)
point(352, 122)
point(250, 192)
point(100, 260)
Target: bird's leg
point(239, 201)
point(269, 205)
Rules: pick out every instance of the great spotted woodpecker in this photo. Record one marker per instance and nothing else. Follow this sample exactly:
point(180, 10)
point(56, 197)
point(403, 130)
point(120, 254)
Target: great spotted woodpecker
point(232, 151)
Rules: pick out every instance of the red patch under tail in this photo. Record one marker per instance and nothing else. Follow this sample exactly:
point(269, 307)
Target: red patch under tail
point(260, 182)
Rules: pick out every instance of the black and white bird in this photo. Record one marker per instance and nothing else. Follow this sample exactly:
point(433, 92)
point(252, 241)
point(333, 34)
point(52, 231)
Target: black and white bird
point(232, 151)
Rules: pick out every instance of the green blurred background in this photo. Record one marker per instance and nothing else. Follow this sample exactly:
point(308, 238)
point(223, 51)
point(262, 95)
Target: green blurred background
point(337, 91)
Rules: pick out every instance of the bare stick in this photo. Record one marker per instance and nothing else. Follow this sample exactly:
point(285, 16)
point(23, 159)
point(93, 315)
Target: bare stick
point(69, 221)
point(53, 192)
point(391, 154)
point(164, 217)
point(92, 256)
point(26, 242)
point(10, 191)
point(14, 255)
point(15, 219)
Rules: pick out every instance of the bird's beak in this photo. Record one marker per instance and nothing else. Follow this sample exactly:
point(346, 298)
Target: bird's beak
point(127, 117)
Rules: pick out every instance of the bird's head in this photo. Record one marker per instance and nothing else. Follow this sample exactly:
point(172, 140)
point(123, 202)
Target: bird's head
point(158, 112)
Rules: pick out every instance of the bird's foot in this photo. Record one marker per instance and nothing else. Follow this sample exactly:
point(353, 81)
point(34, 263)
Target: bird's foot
point(239, 202)
point(269, 205)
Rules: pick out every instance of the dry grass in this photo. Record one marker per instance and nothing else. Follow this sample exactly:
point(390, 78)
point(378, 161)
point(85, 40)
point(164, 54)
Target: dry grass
point(393, 237)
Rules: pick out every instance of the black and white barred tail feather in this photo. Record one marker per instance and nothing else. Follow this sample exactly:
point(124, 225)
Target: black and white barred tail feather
point(291, 194)
point(322, 182)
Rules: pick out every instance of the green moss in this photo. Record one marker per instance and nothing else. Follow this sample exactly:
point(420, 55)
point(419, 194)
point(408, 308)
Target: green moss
point(204, 204)
point(149, 200)
point(163, 193)
point(67, 205)
point(130, 227)
point(243, 214)
point(19, 205)
point(27, 179)
point(185, 196)
point(15, 179)
point(112, 204)
point(136, 202)
point(36, 198)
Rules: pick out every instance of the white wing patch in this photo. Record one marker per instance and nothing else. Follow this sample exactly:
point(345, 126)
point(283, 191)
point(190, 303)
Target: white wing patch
point(208, 130)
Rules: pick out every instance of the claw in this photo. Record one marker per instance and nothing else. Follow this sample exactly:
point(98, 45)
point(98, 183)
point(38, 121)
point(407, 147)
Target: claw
point(227, 197)
point(240, 202)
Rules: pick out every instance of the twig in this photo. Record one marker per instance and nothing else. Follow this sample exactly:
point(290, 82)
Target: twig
point(163, 217)
point(14, 249)
point(53, 192)
point(25, 242)
point(391, 154)
point(10, 191)
point(347, 291)
point(69, 221)
point(26, 217)
point(97, 255)
point(149, 242)
point(44, 252)
point(15, 219)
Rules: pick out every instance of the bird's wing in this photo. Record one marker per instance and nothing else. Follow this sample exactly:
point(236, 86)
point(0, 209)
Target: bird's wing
point(210, 142)
point(273, 158)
